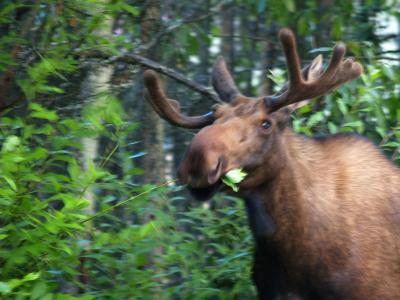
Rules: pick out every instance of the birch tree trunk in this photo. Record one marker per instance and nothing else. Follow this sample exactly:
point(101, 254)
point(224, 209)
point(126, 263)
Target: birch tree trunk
point(96, 83)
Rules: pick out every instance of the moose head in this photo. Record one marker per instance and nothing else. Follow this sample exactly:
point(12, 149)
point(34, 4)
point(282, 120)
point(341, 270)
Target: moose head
point(247, 132)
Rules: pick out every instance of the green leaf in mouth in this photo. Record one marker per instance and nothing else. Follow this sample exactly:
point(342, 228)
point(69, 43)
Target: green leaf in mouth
point(233, 177)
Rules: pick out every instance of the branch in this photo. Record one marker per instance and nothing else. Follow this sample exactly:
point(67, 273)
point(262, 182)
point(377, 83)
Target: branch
point(388, 51)
point(387, 58)
point(388, 36)
point(244, 37)
point(136, 59)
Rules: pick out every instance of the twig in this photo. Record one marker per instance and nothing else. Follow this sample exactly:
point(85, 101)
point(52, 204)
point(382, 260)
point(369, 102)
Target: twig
point(248, 37)
point(388, 51)
point(103, 163)
point(387, 58)
point(105, 211)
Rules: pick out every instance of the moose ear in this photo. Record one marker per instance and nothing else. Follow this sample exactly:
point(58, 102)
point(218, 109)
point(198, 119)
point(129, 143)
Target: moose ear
point(222, 81)
point(314, 69)
point(310, 73)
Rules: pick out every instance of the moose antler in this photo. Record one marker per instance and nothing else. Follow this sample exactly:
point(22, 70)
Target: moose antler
point(169, 109)
point(338, 72)
point(222, 81)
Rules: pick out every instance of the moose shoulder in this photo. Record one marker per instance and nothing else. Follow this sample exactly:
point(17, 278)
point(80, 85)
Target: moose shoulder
point(325, 213)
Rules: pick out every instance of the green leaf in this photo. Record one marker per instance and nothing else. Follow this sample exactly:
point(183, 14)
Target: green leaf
point(39, 290)
point(50, 89)
point(39, 112)
point(130, 9)
point(46, 115)
point(4, 288)
point(232, 185)
point(353, 124)
point(136, 171)
point(146, 229)
point(315, 119)
point(342, 106)
point(31, 276)
point(290, 5)
point(233, 177)
point(332, 128)
point(11, 183)
point(11, 143)
point(392, 145)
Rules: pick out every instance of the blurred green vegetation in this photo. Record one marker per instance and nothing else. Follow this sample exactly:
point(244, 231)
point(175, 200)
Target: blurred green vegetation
point(49, 251)
point(158, 244)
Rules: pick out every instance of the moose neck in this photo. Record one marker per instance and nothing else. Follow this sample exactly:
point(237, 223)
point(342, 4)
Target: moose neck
point(279, 207)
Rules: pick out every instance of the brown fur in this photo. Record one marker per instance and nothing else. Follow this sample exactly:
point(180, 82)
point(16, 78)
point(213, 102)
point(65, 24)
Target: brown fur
point(325, 213)
point(334, 204)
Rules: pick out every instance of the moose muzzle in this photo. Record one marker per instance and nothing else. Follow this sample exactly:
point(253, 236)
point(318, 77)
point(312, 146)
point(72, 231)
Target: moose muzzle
point(204, 162)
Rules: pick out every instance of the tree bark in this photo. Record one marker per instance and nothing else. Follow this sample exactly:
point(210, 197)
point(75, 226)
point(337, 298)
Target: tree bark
point(152, 126)
point(227, 31)
point(268, 57)
point(96, 83)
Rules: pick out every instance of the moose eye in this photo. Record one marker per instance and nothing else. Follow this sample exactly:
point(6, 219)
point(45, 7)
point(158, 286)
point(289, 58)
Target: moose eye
point(266, 124)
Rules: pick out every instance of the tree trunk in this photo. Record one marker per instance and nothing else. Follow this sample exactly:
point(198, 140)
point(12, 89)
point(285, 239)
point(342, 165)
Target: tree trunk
point(323, 34)
point(96, 83)
point(268, 57)
point(227, 32)
point(152, 125)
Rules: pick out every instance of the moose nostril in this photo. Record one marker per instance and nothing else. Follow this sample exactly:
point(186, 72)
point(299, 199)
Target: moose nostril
point(214, 174)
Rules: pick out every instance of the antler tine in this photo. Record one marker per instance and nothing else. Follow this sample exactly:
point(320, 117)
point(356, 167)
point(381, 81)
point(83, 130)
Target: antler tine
point(292, 57)
point(338, 72)
point(222, 81)
point(169, 109)
point(337, 56)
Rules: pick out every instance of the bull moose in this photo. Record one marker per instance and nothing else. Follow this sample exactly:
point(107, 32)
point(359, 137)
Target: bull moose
point(324, 212)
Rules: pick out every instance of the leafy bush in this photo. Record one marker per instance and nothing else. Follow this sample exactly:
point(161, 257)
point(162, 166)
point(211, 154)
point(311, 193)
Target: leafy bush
point(153, 246)
point(41, 207)
point(199, 254)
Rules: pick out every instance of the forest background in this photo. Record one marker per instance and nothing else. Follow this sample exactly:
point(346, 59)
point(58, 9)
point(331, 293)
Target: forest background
point(89, 205)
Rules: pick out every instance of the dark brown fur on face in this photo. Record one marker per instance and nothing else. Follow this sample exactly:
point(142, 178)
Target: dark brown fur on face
point(325, 213)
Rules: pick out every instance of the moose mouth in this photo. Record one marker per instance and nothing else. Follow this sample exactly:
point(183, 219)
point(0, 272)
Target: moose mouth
point(205, 193)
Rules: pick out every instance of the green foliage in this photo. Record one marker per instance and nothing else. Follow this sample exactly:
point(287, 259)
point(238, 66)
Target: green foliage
point(368, 106)
point(193, 255)
point(196, 254)
point(35, 248)
point(43, 201)
point(233, 178)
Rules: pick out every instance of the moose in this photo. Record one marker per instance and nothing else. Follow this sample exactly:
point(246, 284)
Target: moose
point(324, 212)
